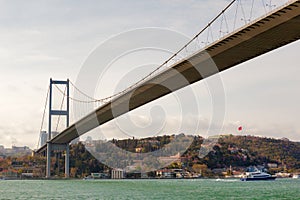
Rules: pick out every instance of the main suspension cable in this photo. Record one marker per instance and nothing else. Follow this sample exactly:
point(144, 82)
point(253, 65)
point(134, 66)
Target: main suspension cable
point(155, 70)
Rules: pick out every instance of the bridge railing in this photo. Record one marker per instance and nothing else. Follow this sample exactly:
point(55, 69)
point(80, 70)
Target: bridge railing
point(237, 15)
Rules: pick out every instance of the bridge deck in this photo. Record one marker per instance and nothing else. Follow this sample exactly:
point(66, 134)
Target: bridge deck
point(277, 29)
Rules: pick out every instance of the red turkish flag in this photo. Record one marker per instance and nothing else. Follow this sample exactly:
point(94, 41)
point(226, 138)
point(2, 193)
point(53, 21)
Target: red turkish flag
point(240, 128)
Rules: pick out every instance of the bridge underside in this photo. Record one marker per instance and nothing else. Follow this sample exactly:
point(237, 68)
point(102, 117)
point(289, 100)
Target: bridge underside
point(273, 31)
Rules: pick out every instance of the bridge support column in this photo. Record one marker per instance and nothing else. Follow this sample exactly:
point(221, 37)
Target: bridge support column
point(59, 148)
point(67, 161)
point(52, 146)
point(48, 164)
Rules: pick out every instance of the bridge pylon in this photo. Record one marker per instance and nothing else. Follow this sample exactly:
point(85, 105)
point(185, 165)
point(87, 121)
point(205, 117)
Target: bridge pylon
point(58, 147)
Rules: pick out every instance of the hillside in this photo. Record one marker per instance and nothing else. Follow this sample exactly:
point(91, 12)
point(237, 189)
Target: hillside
point(230, 154)
point(244, 151)
point(234, 151)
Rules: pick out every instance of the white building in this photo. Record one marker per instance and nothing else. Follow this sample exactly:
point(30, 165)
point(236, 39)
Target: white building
point(117, 174)
point(43, 138)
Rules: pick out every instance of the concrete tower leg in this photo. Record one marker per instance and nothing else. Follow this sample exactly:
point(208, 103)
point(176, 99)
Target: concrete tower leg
point(67, 161)
point(48, 164)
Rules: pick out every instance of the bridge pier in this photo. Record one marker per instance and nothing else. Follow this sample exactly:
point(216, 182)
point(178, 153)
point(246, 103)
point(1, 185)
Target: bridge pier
point(67, 161)
point(58, 147)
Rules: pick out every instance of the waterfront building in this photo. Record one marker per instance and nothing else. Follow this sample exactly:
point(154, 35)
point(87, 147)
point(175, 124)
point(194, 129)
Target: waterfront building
point(117, 174)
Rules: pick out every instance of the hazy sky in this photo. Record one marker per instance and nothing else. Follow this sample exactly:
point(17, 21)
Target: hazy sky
point(43, 39)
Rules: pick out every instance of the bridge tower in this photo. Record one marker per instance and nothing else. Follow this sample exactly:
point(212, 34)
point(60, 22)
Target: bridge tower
point(59, 147)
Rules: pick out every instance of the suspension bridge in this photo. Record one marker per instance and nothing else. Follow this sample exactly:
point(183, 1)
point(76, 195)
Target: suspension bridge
point(234, 44)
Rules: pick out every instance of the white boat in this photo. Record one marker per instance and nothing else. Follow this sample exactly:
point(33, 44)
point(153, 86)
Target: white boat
point(256, 175)
point(296, 176)
point(88, 178)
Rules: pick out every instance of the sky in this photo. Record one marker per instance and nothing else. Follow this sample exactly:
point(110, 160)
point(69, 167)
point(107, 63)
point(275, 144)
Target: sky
point(44, 39)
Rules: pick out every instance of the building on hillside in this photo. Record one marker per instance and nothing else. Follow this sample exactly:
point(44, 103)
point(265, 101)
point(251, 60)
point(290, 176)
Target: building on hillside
point(283, 175)
point(138, 149)
point(99, 175)
point(15, 151)
point(165, 173)
point(272, 165)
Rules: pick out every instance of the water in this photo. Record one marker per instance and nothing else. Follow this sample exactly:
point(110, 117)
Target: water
point(150, 189)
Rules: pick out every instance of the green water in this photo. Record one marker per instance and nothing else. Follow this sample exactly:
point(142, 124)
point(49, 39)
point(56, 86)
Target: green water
point(150, 189)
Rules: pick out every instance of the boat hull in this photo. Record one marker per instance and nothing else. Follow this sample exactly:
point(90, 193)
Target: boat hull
point(259, 179)
point(296, 176)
